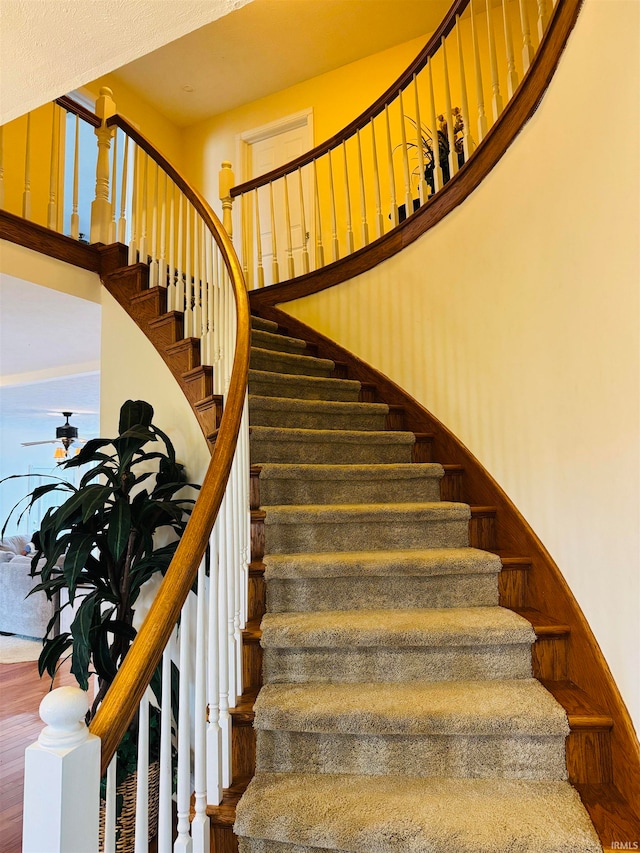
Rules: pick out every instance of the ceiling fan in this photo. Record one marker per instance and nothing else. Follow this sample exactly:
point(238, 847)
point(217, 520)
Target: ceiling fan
point(67, 434)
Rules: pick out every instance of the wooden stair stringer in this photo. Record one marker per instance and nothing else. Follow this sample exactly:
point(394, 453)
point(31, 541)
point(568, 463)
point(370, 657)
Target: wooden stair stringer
point(147, 307)
point(566, 650)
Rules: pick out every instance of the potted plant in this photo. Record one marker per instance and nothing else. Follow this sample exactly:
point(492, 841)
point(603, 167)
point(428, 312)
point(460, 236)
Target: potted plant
point(106, 539)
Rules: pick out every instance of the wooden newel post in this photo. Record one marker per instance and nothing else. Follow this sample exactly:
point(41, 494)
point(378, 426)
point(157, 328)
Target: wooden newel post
point(62, 779)
point(101, 206)
point(226, 180)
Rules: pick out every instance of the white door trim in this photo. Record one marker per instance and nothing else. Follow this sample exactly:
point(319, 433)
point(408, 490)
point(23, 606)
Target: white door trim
point(304, 118)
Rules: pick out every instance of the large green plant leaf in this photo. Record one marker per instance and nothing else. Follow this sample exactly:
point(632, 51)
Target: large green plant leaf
point(119, 528)
point(81, 630)
point(80, 546)
point(51, 653)
point(134, 412)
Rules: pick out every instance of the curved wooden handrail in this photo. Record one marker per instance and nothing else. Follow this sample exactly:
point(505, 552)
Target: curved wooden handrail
point(126, 691)
point(515, 115)
point(364, 118)
point(77, 109)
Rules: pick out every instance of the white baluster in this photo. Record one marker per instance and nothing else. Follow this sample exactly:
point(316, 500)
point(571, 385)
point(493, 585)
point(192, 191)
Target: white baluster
point(231, 580)
point(52, 208)
point(200, 830)
point(171, 281)
point(162, 260)
point(496, 100)
point(1, 167)
point(316, 195)
point(512, 74)
point(287, 218)
point(244, 225)
point(153, 267)
point(144, 204)
point(62, 779)
point(408, 196)
point(363, 201)
point(453, 157)
point(527, 46)
point(203, 243)
point(165, 793)
point(303, 223)
point(392, 179)
point(142, 785)
point(75, 219)
point(223, 641)
point(214, 733)
point(122, 220)
point(178, 304)
point(26, 195)
point(197, 297)
point(259, 242)
point(226, 180)
point(114, 184)
point(376, 183)
point(135, 216)
point(110, 807)
point(543, 17)
point(188, 272)
point(423, 187)
point(435, 140)
point(183, 795)
point(482, 118)
point(334, 219)
point(101, 206)
point(274, 242)
point(347, 196)
point(467, 140)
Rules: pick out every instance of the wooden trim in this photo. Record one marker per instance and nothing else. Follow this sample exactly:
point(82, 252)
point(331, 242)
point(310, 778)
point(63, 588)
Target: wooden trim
point(79, 110)
point(515, 115)
point(364, 118)
point(547, 590)
point(127, 689)
point(17, 230)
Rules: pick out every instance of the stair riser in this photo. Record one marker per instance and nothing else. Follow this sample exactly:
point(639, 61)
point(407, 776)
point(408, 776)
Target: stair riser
point(393, 664)
point(303, 389)
point(260, 845)
point(280, 362)
point(348, 593)
point(277, 343)
point(291, 419)
point(459, 756)
point(327, 452)
point(274, 492)
point(303, 538)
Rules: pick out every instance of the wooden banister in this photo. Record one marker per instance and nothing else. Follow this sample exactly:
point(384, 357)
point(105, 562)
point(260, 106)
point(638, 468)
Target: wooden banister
point(129, 685)
point(79, 110)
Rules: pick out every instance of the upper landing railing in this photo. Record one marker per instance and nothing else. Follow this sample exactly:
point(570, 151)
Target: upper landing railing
point(395, 158)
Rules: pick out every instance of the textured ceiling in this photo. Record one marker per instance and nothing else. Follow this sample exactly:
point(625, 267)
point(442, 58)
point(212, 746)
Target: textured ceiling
point(270, 45)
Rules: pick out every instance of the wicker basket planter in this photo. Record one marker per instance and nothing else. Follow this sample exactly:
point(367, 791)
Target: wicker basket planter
point(126, 820)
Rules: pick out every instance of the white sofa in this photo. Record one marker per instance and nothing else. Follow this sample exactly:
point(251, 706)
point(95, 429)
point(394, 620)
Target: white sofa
point(30, 616)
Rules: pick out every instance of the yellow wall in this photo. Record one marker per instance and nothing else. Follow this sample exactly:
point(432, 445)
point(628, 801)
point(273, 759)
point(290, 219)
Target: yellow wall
point(515, 321)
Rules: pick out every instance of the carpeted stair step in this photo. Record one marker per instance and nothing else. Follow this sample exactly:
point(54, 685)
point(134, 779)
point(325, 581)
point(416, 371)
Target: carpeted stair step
point(438, 577)
point(440, 644)
point(290, 363)
point(329, 446)
point(345, 527)
point(280, 343)
point(326, 484)
point(313, 813)
point(463, 729)
point(264, 383)
point(263, 325)
point(316, 414)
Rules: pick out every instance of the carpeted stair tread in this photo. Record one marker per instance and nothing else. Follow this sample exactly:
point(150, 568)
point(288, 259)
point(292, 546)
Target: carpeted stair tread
point(273, 444)
point(263, 325)
point(372, 471)
point(383, 814)
point(436, 627)
point(450, 707)
point(362, 564)
point(316, 414)
point(290, 363)
point(366, 513)
point(267, 383)
point(280, 343)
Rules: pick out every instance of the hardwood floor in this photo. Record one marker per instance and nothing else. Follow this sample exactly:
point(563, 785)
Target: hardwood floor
point(21, 691)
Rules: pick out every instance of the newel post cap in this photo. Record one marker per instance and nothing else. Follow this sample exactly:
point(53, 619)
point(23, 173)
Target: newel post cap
point(226, 179)
point(64, 710)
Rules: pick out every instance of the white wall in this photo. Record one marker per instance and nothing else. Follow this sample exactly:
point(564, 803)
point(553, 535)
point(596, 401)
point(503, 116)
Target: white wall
point(516, 322)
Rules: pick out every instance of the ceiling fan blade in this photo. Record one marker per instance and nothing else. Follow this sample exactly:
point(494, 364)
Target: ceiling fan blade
point(32, 443)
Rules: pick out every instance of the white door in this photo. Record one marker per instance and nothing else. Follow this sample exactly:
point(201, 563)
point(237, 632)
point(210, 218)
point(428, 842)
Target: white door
point(266, 149)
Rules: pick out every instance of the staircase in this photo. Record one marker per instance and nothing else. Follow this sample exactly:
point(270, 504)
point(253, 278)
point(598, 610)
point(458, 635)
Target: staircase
point(398, 710)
